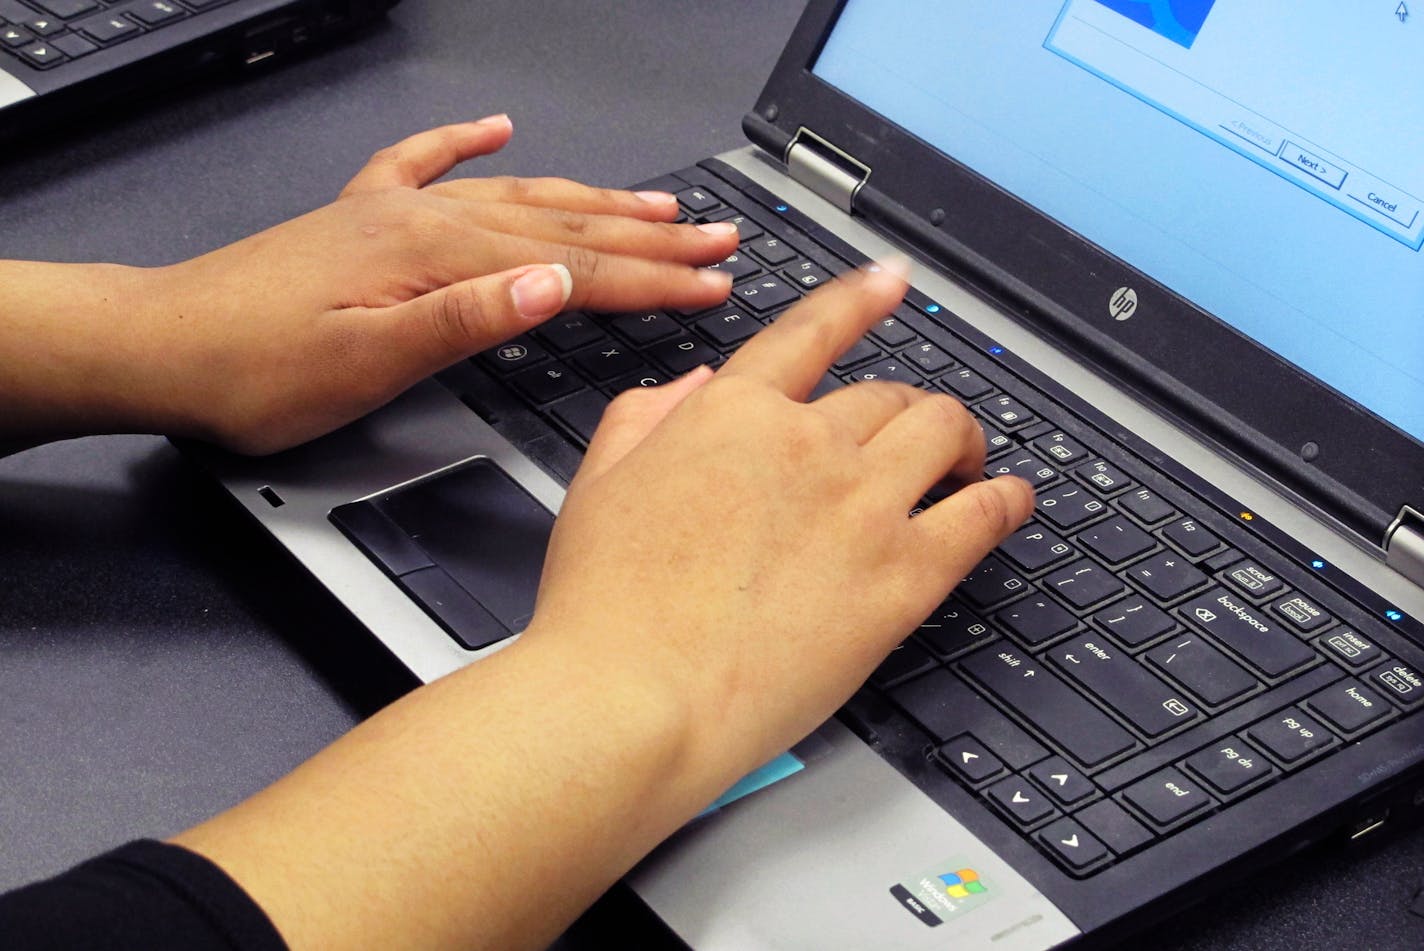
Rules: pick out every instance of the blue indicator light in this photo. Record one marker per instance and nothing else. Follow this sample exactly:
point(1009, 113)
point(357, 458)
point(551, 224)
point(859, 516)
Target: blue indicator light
point(996, 350)
point(1394, 615)
point(932, 308)
point(783, 207)
point(1317, 564)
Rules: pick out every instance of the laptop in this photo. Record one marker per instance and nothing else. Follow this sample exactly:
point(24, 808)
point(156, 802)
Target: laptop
point(61, 57)
point(1180, 290)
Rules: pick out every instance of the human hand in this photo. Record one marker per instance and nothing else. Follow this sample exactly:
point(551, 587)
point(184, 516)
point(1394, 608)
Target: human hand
point(752, 555)
point(292, 332)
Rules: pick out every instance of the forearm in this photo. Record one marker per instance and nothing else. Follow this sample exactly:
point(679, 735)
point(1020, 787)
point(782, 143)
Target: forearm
point(79, 351)
point(486, 810)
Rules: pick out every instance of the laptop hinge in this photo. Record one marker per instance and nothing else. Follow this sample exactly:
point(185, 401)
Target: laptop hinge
point(1404, 544)
point(828, 171)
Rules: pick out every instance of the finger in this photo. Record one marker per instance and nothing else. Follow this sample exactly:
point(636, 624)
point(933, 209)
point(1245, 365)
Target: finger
point(696, 244)
point(794, 352)
point(865, 408)
point(418, 337)
point(564, 194)
point(631, 416)
point(420, 159)
point(934, 441)
point(960, 530)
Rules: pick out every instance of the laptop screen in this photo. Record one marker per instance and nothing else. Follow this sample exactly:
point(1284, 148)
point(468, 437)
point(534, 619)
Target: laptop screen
point(1262, 158)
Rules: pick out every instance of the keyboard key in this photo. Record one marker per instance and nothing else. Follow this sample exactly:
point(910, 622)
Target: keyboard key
point(73, 45)
point(1212, 676)
point(570, 332)
point(1290, 736)
point(738, 265)
point(892, 332)
point(728, 326)
point(746, 227)
point(1400, 682)
point(1229, 766)
point(862, 351)
point(953, 630)
point(1133, 621)
point(991, 584)
point(1069, 506)
point(42, 54)
point(1191, 538)
point(1062, 782)
point(808, 274)
point(1036, 621)
point(889, 370)
point(1021, 800)
point(764, 294)
point(903, 662)
point(516, 355)
point(698, 200)
point(581, 412)
point(1348, 647)
point(1252, 580)
point(967, 758)
point(1072, 845)
point(1167, 576)
point(154, 12)
point(546, 383)
point(66, 8)
point(1152, 707)
point(682, 354)
point(1103, 477)
point(108, 28)
point(1302, 614)
point(1167, 796)
point(41, 25)
point(1059, 447)
point(928, 357)
point(1007, 413)
point(1349, 706)
point(773, 251)
point(607, 361)
point(1084, 584)
point(945, 706)
point(15, 36)
point(995, 442)
point(1111, 824)
point(1263, 644)
point(1026, 466)
point(644, 377)
point(966, 384)
point(646, 328)
point(1082, 730)
point(1116, 541)
point(1034, 548)
point(1146, 506)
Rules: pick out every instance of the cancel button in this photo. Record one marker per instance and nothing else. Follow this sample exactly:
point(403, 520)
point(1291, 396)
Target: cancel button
point(1397, 207)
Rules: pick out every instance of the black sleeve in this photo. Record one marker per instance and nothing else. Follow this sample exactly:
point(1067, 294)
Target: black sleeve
point(147, 895)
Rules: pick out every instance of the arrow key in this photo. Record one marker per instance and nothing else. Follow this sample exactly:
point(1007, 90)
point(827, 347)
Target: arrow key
point(1021, 800)
point(1061, 781)
point(1072, 845)
point(967, 758)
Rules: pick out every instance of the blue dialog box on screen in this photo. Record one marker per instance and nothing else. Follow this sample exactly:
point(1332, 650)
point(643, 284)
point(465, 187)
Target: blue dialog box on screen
point(1178, 20)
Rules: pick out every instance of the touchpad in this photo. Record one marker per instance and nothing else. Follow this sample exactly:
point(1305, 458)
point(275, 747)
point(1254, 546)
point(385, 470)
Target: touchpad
point(468, 544)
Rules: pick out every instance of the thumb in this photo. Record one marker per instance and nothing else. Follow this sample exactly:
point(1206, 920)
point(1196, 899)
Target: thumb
point(434, 330)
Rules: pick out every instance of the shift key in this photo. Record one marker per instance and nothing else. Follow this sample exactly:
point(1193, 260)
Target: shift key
point(1037, 694)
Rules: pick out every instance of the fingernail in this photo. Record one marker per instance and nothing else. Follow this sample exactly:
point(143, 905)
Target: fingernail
point(542, 292)
point(719, 228)
point(498, 119)
point(657, 198)
point(720, 280)
point(896, 265)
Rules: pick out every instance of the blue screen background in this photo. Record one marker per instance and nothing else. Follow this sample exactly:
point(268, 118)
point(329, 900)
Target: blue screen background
point(1339, 299)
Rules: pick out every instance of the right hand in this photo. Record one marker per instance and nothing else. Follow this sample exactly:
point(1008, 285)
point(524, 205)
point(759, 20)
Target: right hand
point(751, 555)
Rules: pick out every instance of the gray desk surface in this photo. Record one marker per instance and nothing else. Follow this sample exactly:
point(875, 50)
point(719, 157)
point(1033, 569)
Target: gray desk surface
point(158, 660)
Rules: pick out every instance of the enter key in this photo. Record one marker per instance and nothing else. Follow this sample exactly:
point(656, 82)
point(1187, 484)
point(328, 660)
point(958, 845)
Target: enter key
point(1118, 680)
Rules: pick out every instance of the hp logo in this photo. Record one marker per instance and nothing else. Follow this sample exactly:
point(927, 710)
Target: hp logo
point(1123, 303)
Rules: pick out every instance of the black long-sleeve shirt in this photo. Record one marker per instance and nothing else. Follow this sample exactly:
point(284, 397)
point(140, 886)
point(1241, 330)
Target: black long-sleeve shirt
point(145, 895)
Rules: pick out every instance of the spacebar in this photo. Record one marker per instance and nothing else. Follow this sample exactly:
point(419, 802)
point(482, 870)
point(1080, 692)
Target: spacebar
point(1081, 729)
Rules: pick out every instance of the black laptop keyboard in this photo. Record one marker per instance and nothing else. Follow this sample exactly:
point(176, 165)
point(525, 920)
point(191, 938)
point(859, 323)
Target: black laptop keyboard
point(1131, 661)
point(44, 33)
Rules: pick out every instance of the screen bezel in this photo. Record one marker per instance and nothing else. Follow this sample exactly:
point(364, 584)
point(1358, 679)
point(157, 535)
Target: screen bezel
point(1361, 471)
